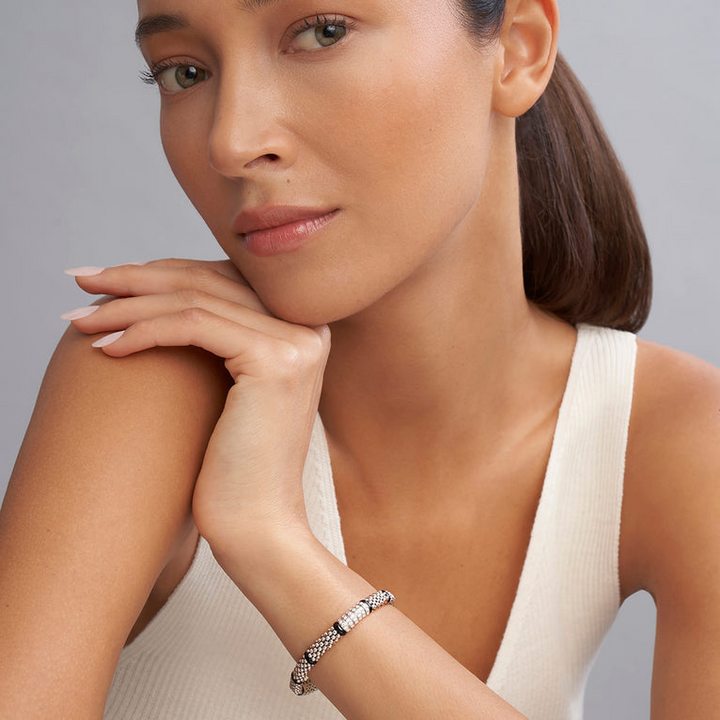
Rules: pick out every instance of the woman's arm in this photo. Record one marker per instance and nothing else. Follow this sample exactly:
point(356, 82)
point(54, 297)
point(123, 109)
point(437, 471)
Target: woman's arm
point(248, 499)
point(676, 525)
point(99, 498)
point(386, 667)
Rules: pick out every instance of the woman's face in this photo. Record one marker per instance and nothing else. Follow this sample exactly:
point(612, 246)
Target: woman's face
point(378, 109)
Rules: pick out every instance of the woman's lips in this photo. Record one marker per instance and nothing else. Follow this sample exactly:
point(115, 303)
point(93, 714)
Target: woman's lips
point(284, 238)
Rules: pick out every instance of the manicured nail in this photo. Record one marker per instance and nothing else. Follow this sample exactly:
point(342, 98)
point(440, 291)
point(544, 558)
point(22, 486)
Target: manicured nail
point(84, 271)
point(108, 339)
point(80, 312)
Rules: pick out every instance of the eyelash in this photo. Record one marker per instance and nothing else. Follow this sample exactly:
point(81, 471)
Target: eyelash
point(319, 20)
point(150, 76)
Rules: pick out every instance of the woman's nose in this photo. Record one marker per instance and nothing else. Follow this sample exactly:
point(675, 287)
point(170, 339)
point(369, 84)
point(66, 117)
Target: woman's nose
point(247, 134)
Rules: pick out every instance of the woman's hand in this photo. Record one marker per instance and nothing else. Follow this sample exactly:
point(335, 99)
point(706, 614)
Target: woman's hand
point(250, 482)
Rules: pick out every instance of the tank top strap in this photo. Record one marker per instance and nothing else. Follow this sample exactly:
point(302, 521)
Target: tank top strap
point(569, 590)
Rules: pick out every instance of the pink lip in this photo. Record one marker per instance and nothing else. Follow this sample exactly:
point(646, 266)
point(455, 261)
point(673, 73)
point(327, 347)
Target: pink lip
point(271, 230)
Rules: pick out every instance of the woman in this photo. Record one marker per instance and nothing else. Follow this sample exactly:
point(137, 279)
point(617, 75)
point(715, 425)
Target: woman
point(460, 416)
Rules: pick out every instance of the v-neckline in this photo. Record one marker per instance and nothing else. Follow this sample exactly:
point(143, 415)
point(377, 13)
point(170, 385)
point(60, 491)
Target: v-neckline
point(551, 472)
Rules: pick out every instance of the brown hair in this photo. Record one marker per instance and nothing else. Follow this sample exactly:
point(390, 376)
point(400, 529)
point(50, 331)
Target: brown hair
point(585, 254)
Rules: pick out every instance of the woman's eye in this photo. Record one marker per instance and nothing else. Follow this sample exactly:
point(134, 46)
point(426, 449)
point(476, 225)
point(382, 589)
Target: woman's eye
point(180, 77)
point(318, 36)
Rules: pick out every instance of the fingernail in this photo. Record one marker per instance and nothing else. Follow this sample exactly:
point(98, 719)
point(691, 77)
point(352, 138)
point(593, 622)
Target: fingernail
point(108, 339)
point(80, 313)
point(83, 271)
point(138, 263)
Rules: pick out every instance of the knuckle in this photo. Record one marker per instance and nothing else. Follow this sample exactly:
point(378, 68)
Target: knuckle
point(299, 358)
point(194, 315)
point(311, 343)
point(201, 275)
point(287, 360)
point(325, 336)
point(191, 297)
point(313, 347)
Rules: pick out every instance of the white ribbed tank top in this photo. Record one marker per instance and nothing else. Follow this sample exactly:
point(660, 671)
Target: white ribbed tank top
point(209, 655)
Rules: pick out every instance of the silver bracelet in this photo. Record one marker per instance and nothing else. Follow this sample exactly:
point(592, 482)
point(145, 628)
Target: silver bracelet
point(300, 683)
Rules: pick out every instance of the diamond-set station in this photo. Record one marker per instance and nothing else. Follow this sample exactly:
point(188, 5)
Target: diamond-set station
point(300, 683)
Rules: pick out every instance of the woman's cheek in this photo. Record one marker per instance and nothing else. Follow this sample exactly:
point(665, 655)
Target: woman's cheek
point(413, 142)
point(185, 133)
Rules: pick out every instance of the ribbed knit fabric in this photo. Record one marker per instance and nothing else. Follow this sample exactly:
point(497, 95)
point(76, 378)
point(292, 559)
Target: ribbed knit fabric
point(569, 590)
point(209, 655)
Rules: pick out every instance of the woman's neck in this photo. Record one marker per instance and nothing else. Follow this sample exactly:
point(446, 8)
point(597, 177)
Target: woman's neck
point(453, 358)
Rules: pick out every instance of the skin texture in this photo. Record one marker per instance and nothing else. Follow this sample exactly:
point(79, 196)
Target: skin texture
point(409, 308)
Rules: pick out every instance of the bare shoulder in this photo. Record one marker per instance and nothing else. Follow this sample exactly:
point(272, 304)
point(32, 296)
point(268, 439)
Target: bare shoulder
point(106, 410)
point(670, 532)
point(672, 482)
point(98, 502)
point(135, 425)
point(173, 375)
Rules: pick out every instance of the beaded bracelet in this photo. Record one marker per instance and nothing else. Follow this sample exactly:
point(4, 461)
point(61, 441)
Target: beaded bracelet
point(300, 683)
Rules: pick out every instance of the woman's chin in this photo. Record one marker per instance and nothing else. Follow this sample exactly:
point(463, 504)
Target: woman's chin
point(309, 310)
point(302, 314)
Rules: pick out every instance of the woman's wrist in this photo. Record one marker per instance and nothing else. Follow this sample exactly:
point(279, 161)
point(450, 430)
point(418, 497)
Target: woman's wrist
point(264, 554)
point(297, 584)
point(245, 536)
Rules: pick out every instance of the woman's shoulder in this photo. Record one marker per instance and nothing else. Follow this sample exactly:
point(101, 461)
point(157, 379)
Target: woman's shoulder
point(77, 363)
point(672, 478)
point(99, 501)
point(158, 406)
point(124, 429)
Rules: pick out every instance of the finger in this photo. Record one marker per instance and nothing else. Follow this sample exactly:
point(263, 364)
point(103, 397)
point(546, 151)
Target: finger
point(134, 280)
point(246, 350)
point(120, 313)
point(224, 267)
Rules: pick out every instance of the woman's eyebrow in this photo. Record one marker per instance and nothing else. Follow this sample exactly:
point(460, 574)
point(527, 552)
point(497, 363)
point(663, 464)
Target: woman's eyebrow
point(157, 24)
point(164, 23)
point(252, 5)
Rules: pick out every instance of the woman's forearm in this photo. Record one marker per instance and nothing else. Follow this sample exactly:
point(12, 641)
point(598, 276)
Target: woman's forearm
point(385, 667)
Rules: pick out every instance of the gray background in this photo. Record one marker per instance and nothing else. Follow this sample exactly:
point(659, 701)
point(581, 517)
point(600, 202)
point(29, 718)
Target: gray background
point(84, 182)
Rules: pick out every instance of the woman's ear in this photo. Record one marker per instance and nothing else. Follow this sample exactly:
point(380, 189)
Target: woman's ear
point(528, 47)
